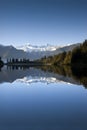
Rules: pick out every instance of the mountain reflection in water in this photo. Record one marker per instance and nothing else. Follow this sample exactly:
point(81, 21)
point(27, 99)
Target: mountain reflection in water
point(45, 74)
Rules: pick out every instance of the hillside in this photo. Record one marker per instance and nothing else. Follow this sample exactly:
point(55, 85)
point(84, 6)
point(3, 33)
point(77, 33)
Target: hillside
point(33, 52)
point(77, 56)
point(10, 52)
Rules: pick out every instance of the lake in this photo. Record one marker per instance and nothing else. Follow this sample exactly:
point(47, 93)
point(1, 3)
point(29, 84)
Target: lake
point(43, 98)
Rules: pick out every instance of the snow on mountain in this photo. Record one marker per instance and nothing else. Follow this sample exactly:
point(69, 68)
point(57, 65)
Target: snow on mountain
point(30, 48)
point(30, 80)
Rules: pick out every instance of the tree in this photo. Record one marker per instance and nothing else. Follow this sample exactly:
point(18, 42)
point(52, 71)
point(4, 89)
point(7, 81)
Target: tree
point(13, 60)
point(1, 62)
point(16, 60)
point(67, 59)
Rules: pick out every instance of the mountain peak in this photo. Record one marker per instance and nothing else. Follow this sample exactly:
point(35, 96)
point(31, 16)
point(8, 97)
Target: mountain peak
point(29, 48)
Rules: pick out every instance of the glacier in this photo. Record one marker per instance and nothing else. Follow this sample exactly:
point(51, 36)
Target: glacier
point(30, 48)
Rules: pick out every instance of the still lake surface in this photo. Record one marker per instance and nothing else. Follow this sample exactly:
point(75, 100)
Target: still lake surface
point(42, 99)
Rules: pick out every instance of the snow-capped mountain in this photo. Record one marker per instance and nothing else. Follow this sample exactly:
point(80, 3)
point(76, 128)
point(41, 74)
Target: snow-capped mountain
point(33, 75)
point(30, 48)
point(33, 52)
point(29, 80)
point(48, 80)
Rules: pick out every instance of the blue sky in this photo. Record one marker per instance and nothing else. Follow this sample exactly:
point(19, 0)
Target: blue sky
point(38, 22)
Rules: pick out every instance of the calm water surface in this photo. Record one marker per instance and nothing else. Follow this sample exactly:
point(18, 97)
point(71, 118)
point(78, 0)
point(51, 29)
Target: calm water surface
point(41, 100)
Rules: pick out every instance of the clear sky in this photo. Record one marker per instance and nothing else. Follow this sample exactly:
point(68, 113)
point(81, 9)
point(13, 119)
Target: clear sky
point(38, 22)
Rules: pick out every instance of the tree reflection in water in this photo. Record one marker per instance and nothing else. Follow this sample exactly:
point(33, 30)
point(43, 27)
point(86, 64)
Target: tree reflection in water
point(76, 73)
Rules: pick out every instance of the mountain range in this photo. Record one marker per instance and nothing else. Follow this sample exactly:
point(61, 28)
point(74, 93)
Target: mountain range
point(33, 52)
point(30, 48)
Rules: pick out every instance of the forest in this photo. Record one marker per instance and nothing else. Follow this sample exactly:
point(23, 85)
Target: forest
point(78, 56)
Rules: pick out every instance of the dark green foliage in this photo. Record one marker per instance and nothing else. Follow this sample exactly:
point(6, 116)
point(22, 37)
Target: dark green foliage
point(67, 59)
point(77, 73)
point(1, 62)
point(13, 60)
point(77, 56)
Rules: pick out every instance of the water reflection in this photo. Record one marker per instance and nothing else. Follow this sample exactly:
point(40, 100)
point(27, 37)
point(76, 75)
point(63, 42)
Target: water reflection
point(76, 73)
point(45, 74)
point(59, 106)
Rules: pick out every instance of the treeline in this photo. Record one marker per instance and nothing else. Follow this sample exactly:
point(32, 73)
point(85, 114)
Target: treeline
point(22, 62)
point(13, 60)
point(77, 56)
